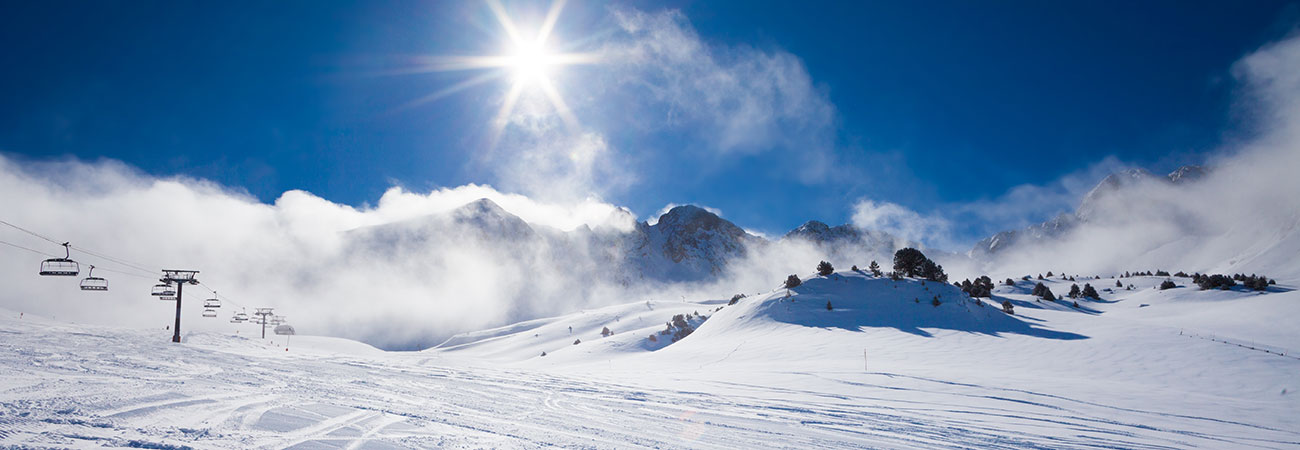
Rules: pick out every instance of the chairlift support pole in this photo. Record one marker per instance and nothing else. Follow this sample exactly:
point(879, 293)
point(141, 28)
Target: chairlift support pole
point(181, 278)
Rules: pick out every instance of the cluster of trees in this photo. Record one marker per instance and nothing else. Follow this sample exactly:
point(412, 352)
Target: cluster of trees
point(1087, 292)
point(1167, 284)
point(910, 262)
point(736, 298)
point(1043, 292)
point(678, 328)
point(982, 287)
point(1220, 281)
point(1157, 273)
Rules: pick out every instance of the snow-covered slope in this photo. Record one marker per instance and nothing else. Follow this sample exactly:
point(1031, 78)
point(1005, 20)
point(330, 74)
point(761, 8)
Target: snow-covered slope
point(884, 367)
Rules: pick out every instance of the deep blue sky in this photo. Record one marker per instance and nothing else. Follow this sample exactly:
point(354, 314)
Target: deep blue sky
point(972, 98)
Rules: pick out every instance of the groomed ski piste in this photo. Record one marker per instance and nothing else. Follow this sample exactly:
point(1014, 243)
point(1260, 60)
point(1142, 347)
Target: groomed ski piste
point(883, 367)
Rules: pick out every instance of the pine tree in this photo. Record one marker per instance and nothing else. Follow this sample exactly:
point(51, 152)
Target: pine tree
point(874, 268)
point(1074, 291)
point(828, 305)
point(792, 282)
point(825, 268)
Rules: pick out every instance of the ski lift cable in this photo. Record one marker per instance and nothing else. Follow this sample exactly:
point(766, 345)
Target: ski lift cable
point(51, 255)
point(130, 274)
point(33, 233)
point(119, 261)
point(80, 249)
point(225, 298)
point(30, 250)
point(116, 260)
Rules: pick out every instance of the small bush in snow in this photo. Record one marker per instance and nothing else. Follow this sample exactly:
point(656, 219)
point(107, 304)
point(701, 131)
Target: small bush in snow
point(792, 282)
point(577, 341)
point(825, 268)
point(936, 301)
point(543, 353)
point(828, 306)
point(855, 268)
point(735, 298)
point(1167, 284)
point(1119, 283)
point(1010, 282)
point(1007, 307)
point(604, 332)
point(653, 338)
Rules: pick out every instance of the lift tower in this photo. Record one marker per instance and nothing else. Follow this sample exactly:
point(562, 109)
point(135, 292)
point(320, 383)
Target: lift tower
point(180, 278)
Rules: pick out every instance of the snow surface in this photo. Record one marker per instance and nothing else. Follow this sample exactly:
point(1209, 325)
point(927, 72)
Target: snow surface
point(883, 368)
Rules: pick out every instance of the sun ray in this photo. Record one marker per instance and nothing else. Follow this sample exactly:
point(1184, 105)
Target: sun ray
point(503, 114)
point(548, 25)
point(558, 103)
point(504, 18)
point(486, 77)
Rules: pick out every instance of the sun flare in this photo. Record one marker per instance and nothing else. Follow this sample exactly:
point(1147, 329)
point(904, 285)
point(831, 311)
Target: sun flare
point(527, 62)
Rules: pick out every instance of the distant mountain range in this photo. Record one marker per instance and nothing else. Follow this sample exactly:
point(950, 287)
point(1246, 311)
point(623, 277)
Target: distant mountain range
point(686, 244)
point(1115, 185)
point(691, 244)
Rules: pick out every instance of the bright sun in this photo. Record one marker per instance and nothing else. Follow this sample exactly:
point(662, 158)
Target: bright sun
point(529, 62)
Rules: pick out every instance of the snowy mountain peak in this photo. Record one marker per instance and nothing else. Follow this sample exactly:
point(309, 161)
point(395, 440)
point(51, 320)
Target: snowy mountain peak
point(819, 232)
point(1187, 174)
point(491, 219)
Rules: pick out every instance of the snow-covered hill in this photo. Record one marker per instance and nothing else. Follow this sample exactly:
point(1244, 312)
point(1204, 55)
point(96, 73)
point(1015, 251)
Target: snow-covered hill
point(883, 367)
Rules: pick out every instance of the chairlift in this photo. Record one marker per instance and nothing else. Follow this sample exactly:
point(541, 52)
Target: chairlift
point(92, 282)
point(284, 330)
point(239, 317)
point(61, 267)
point(164, 290)
point(210, 313)
point(168, 298)
point(213, 302)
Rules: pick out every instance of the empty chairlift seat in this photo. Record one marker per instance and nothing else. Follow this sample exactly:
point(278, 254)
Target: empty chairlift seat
point(209, 312)
point(61, 267)
point(212, 303)
point(92, 282)
point(164, 290)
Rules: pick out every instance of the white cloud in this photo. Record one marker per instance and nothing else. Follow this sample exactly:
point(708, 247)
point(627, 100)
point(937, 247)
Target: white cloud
point(297, 254)
point(1244, 216)
point(903, 223)
point(740, 100)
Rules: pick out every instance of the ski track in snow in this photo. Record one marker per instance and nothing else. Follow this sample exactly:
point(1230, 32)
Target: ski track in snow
point(80, 386)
